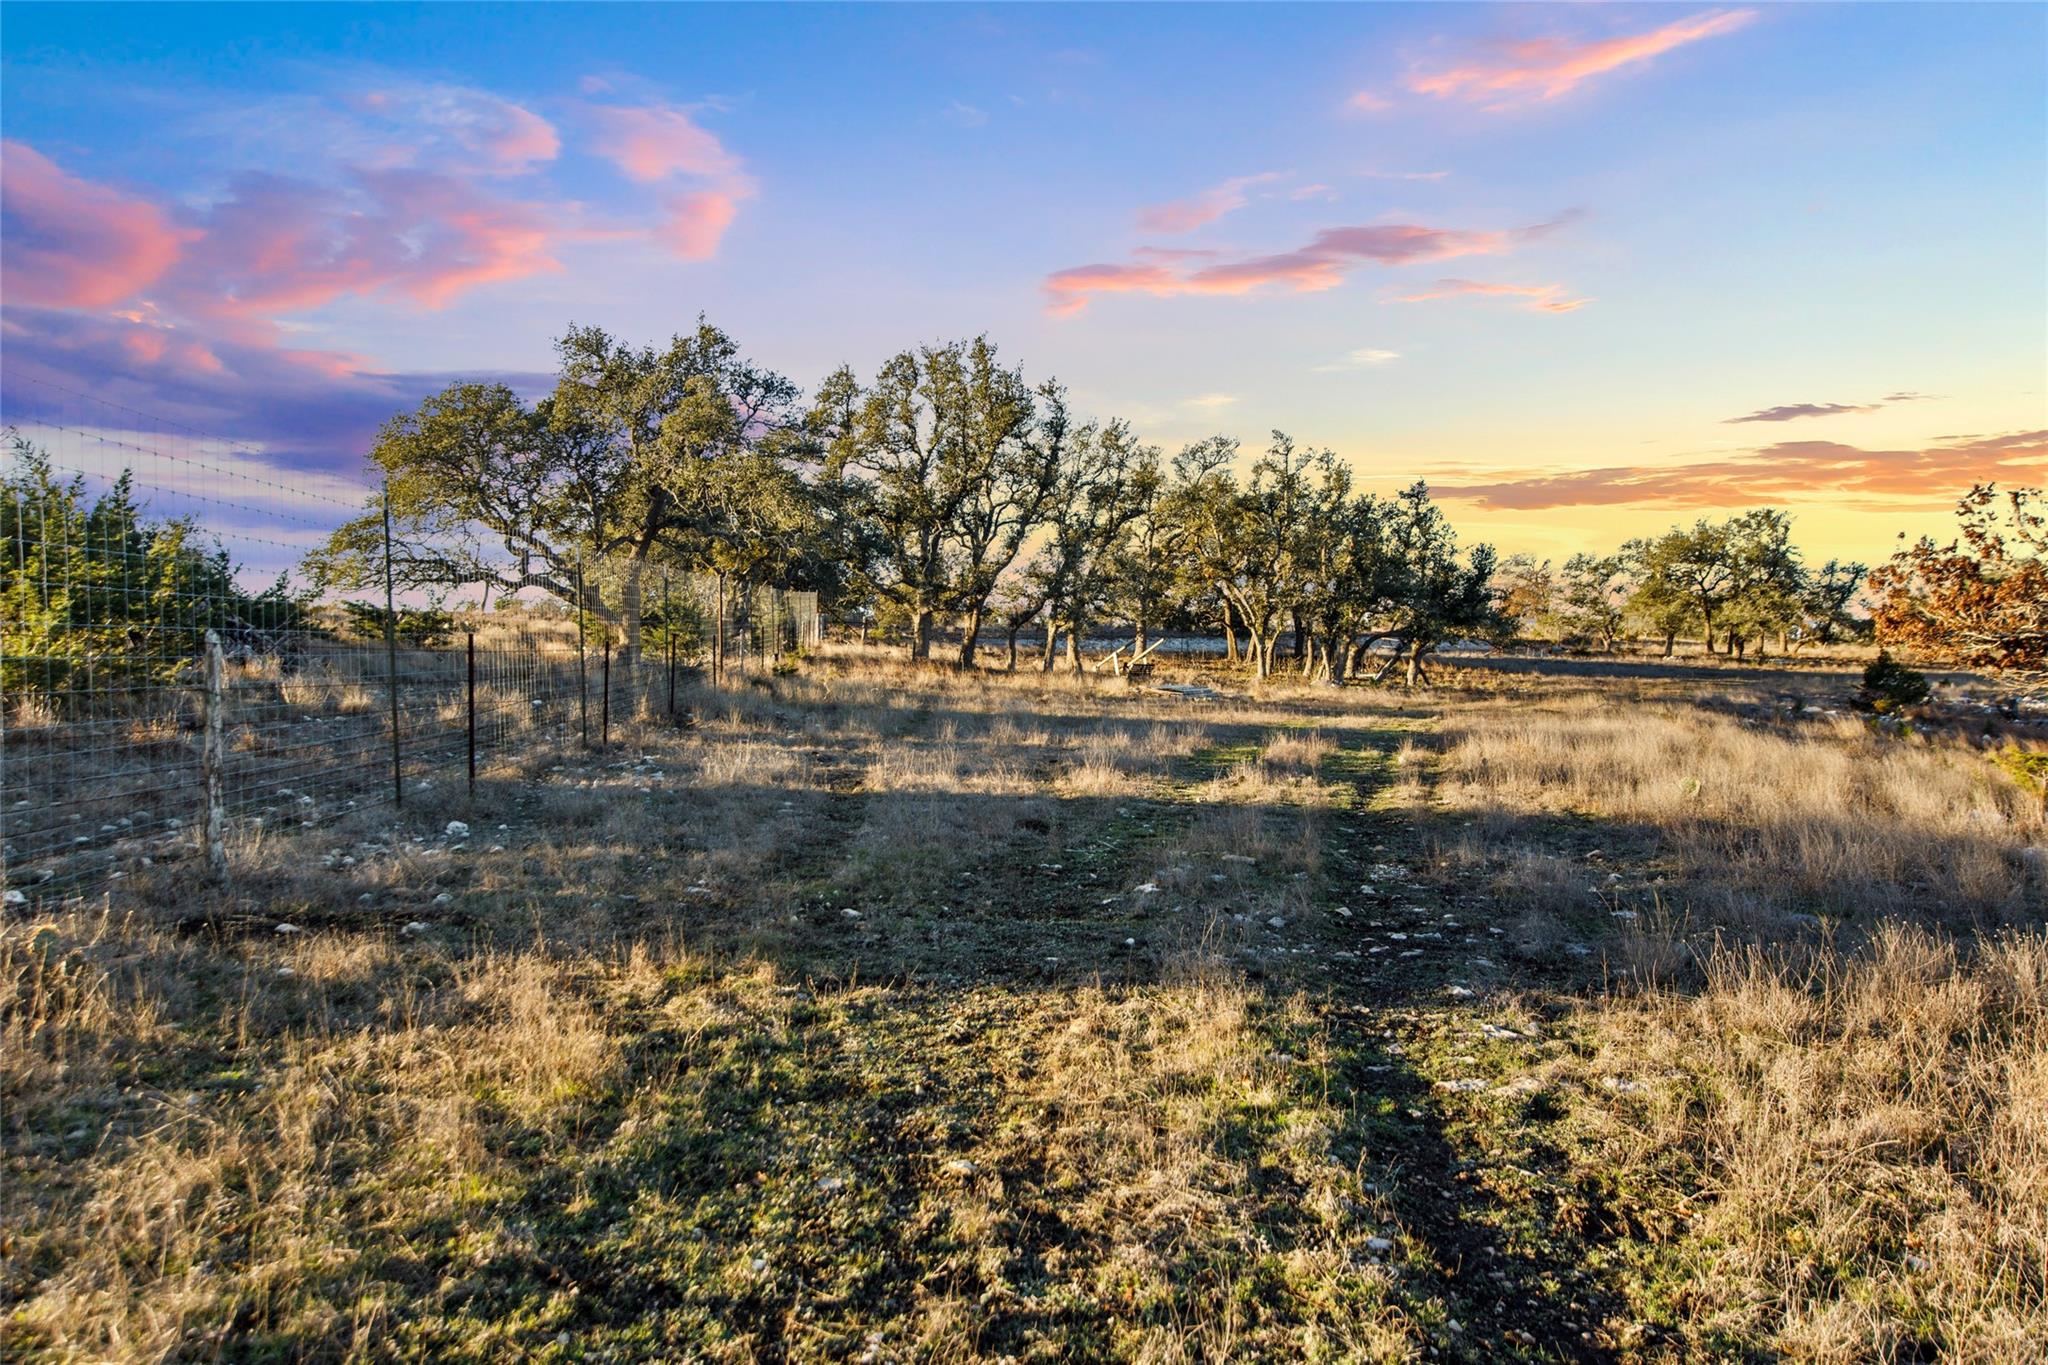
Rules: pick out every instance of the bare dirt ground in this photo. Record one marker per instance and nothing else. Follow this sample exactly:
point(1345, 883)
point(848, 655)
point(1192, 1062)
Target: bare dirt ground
point(891, 1015)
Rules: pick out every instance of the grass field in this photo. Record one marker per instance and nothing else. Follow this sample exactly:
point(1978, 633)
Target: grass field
point(898, 1016)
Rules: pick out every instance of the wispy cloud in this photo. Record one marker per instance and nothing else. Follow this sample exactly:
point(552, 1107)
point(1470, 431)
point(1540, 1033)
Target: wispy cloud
point(965, 115)
point(1211, 400)
point(659, 144)
point(66, 242)
point(1786, 412)
point(1321, 263)
point(478, 131)
point(1404, 175)
point(1539, 69)
point(650, 143)
point(1198, 210)
point(1358, 360)
point(1544, 298)
point(1788, 470)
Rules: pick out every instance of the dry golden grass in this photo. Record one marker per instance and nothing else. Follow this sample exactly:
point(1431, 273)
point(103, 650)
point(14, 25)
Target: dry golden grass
point(1858, 1146)
point(920, 1015)
point(1754, 821)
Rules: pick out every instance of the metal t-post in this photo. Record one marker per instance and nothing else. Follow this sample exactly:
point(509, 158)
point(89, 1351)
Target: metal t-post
point(391, 657)
point(582, 658)
point(472, 714)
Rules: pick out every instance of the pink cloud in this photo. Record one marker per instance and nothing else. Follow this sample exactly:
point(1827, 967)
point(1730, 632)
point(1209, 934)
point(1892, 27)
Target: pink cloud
point(653, 142)
point(1366, 102)
point(69, 243)
point(1544, 298)
point(487, 134)
point(1545, 68)
point(1930, 476)
point(1068, 291)
point(1320, 264)
point(1185, 215)
point(697, 221)
point(278, 245)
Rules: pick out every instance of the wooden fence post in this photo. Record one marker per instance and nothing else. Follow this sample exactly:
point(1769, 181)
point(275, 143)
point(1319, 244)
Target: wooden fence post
point(213, 761)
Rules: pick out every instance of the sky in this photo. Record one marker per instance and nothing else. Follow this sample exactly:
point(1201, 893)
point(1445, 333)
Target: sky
point(1590, 270)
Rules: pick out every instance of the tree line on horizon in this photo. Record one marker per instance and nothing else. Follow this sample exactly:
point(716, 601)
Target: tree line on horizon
point(948, 489)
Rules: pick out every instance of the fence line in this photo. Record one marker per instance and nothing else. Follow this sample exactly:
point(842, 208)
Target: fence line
point(153, 697)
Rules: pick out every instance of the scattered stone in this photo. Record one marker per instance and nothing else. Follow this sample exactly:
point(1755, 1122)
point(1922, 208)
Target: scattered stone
point(1148, 888)
point(17, 897)
point(850, 913)
point(960, 1165)
point(1465, 1085)
point(1277, 922)
point(458, 830)
point(418, 926)
point(287, 927)
point(832, 1184)
point(1378, 1246)
point(1459, 992)
point(445, 898)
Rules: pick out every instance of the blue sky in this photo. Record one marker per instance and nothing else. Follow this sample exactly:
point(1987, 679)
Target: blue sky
point(1541, 255)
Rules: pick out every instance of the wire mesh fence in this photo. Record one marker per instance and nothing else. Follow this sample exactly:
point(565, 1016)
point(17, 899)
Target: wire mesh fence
point(166, 673)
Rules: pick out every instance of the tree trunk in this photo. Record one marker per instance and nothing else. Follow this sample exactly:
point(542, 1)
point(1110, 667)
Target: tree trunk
point(630, 600)
point(1138, 633)
point(920, 633)
point(1016, 628)
point(1052, 635)
point(1414, 662)
point(1337, 657)
point(1074, 646)
point(1229, 640)
point(1670, 642)
point(971, 638)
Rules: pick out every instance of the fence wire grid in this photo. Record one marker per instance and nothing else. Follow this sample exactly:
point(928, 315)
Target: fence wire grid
point(165, 675)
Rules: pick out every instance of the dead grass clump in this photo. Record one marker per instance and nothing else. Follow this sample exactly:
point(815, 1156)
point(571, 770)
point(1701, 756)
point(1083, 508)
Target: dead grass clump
point(1832, 821)
point(1864, 1141)
point(164, 1193)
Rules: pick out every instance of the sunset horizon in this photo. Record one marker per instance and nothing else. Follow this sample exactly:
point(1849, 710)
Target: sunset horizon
point(1589, 271)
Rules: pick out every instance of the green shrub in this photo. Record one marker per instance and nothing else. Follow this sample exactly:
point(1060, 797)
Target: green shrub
point(419, 627)
point(97, 597)
point(1889, 685)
